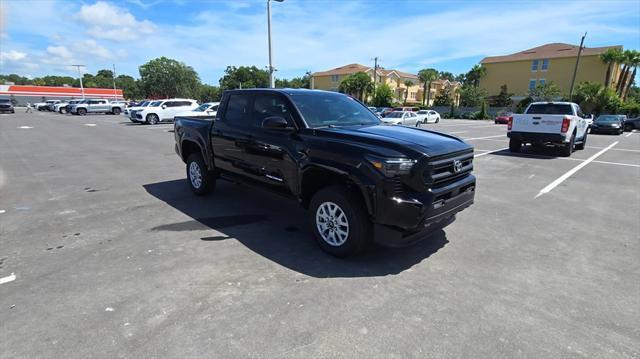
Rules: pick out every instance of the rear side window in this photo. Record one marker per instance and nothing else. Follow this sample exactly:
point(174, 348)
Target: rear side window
point(237, 112)
point(550, 109)
point(266, 105)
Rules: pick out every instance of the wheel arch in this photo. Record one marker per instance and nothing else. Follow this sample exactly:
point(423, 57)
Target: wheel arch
point(314, 178)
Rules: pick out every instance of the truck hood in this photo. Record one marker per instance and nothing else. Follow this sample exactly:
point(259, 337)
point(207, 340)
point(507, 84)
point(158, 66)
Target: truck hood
point(429, 143)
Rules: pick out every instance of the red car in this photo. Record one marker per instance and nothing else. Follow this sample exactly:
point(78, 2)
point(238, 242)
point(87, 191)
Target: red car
point(503, 118)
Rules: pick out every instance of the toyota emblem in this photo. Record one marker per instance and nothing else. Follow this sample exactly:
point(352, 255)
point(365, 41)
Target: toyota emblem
point(457, 166)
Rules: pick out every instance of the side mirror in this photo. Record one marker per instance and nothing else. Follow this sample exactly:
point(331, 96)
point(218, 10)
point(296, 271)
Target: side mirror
point(276, 123)
point(164, 107)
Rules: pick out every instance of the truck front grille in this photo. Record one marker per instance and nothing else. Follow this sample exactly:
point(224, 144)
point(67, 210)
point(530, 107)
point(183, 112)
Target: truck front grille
point(444, 171)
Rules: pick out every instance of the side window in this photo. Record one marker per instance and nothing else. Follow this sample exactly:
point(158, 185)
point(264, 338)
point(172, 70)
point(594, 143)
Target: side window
point(545, 64)
point(102, 102)
point(237, 112)
point(534, 65)
point(92, 102)
point(187, 103)
point(170, 104)
point(532, 84)
point(266, 105)
point(214, 108)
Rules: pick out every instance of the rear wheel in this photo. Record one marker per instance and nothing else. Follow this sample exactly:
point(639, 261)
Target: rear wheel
point(341, 225)
point(116, 111)
point(201, 180)
point(82, 111)
point(515, 145)
point(567, 149)
point(437, 119)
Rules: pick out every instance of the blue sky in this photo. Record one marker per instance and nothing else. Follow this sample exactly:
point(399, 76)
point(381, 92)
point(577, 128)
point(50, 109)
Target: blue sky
point(41, 37)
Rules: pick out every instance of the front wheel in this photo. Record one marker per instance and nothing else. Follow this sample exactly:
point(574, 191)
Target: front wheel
point(437, 119)
point(201, 180)
point(116, 111)
point(152, 119)
point(515, 145)
point(341, 225)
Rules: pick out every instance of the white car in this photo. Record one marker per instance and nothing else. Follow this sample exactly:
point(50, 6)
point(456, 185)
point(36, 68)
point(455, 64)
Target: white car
point(428, 116)
point(205, 110)
point(406, 118)
point(131, 111)
point(561, 124)
point(164, 110)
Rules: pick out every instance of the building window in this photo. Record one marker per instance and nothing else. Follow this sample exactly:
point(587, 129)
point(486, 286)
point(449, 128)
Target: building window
point(532, 84)
point(534, 65)
point(335, 78)
point(545, 64)
point(412, 95)
point(541, 82)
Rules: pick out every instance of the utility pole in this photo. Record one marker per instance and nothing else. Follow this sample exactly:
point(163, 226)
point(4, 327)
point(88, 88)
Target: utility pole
point(115, 93)
point(575, 69)
point(375, 73)
point(271, 68)
point(80, 74)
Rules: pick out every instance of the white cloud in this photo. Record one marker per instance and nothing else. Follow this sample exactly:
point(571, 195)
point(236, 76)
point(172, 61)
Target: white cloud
point(110, 22)
point(59, 52)
point(93, 48)
point(12, 55)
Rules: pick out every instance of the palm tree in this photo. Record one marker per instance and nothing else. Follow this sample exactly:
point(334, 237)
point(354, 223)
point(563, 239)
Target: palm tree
point(427, 76)
point(475, 74)
point(634, 60)
point(610, 57)
point(407, 84)
point(626, 59)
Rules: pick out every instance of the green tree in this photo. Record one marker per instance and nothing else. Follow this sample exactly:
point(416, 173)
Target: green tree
point(545, 92)
point(634, 61)
point(471, 96)
point(358, 85)
point(587, 95)
point(446, 75)
point(504, 97)
point(444, 98)
point(427, 76)
point(130, 87)
point(475, 74)
point(244, 77)
point(16, 79)
point(610, 57)
point(168, 78)
point(407, 86)
point(383, 96)
point(208, 93)
point(627, 58)
point(482, 114)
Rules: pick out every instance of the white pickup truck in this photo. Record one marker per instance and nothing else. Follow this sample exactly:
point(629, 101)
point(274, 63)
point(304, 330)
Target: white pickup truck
point(561, 124)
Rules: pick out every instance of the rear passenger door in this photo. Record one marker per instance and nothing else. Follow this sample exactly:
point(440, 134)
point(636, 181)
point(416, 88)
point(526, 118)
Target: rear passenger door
point(168, 110)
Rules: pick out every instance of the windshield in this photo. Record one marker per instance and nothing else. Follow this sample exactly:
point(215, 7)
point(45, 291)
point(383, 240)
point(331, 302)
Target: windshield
point(320, 109)
point(155, 104)
point(396, 114)
point(608, 118)
point(145, 104)
point(202, 107)
point(5, 101)
point(550, 109)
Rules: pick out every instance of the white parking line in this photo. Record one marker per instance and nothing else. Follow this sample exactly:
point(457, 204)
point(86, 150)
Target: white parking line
point(25, 127)
point(483, 138)
point(453, 133)
point(8, 279)
point(630, 133)
point(614, 149)
point(488, 152)
point(90, 124)
point(572, 171)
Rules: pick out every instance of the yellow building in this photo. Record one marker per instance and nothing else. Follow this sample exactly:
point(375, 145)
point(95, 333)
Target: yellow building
point(330, 80)
point(555, 62)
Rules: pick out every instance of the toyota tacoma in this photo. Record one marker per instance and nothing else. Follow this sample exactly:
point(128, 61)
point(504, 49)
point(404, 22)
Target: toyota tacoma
point(359, 179)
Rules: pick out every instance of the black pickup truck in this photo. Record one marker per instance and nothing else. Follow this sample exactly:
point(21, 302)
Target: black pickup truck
point(360, 180)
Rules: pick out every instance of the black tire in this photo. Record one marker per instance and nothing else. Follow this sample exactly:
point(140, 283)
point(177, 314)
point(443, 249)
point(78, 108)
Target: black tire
point(116, 110)
point(82, 111)
point(438, 120)
point(567, 149)
point(581, 145)
point(60, 110)
point(515, 145)
point(152, 119)
point(207, 182)
point(358, 226)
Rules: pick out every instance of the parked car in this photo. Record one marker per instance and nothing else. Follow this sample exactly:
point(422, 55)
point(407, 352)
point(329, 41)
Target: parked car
point(503, 118)
point(51, 106)
point(632, 124)
point(406, 118)
point(131, 111)
point(608, 124)
point(208, 109)
point(561, 124)
point(589, 119)
point(360, 181)
point(43, 106)
point(164, 110)
point(67, 108)
point(428, 116)
point(383, 111)
point(96, 106)
point(60, 106)
point(6, 106)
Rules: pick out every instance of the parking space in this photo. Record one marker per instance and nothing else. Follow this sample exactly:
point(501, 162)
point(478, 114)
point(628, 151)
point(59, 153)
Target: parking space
point(105, 250)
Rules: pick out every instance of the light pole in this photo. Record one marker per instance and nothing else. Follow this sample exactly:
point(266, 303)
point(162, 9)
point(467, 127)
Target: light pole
point(80, 74)
point(115, 93)
point(271, 69)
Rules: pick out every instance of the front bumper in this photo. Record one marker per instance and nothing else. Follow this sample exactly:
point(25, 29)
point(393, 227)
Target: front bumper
point(599, 129)
point(535, 137)
point(405, 218)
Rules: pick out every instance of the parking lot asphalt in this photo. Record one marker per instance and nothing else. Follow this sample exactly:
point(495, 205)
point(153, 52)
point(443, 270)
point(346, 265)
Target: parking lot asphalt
point(104, 252)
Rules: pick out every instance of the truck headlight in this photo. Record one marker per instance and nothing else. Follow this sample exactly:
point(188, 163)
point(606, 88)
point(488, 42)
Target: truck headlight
point(392, 167)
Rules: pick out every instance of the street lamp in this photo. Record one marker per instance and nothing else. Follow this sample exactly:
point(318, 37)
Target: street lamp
point(80, 74)
point(271, 68)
